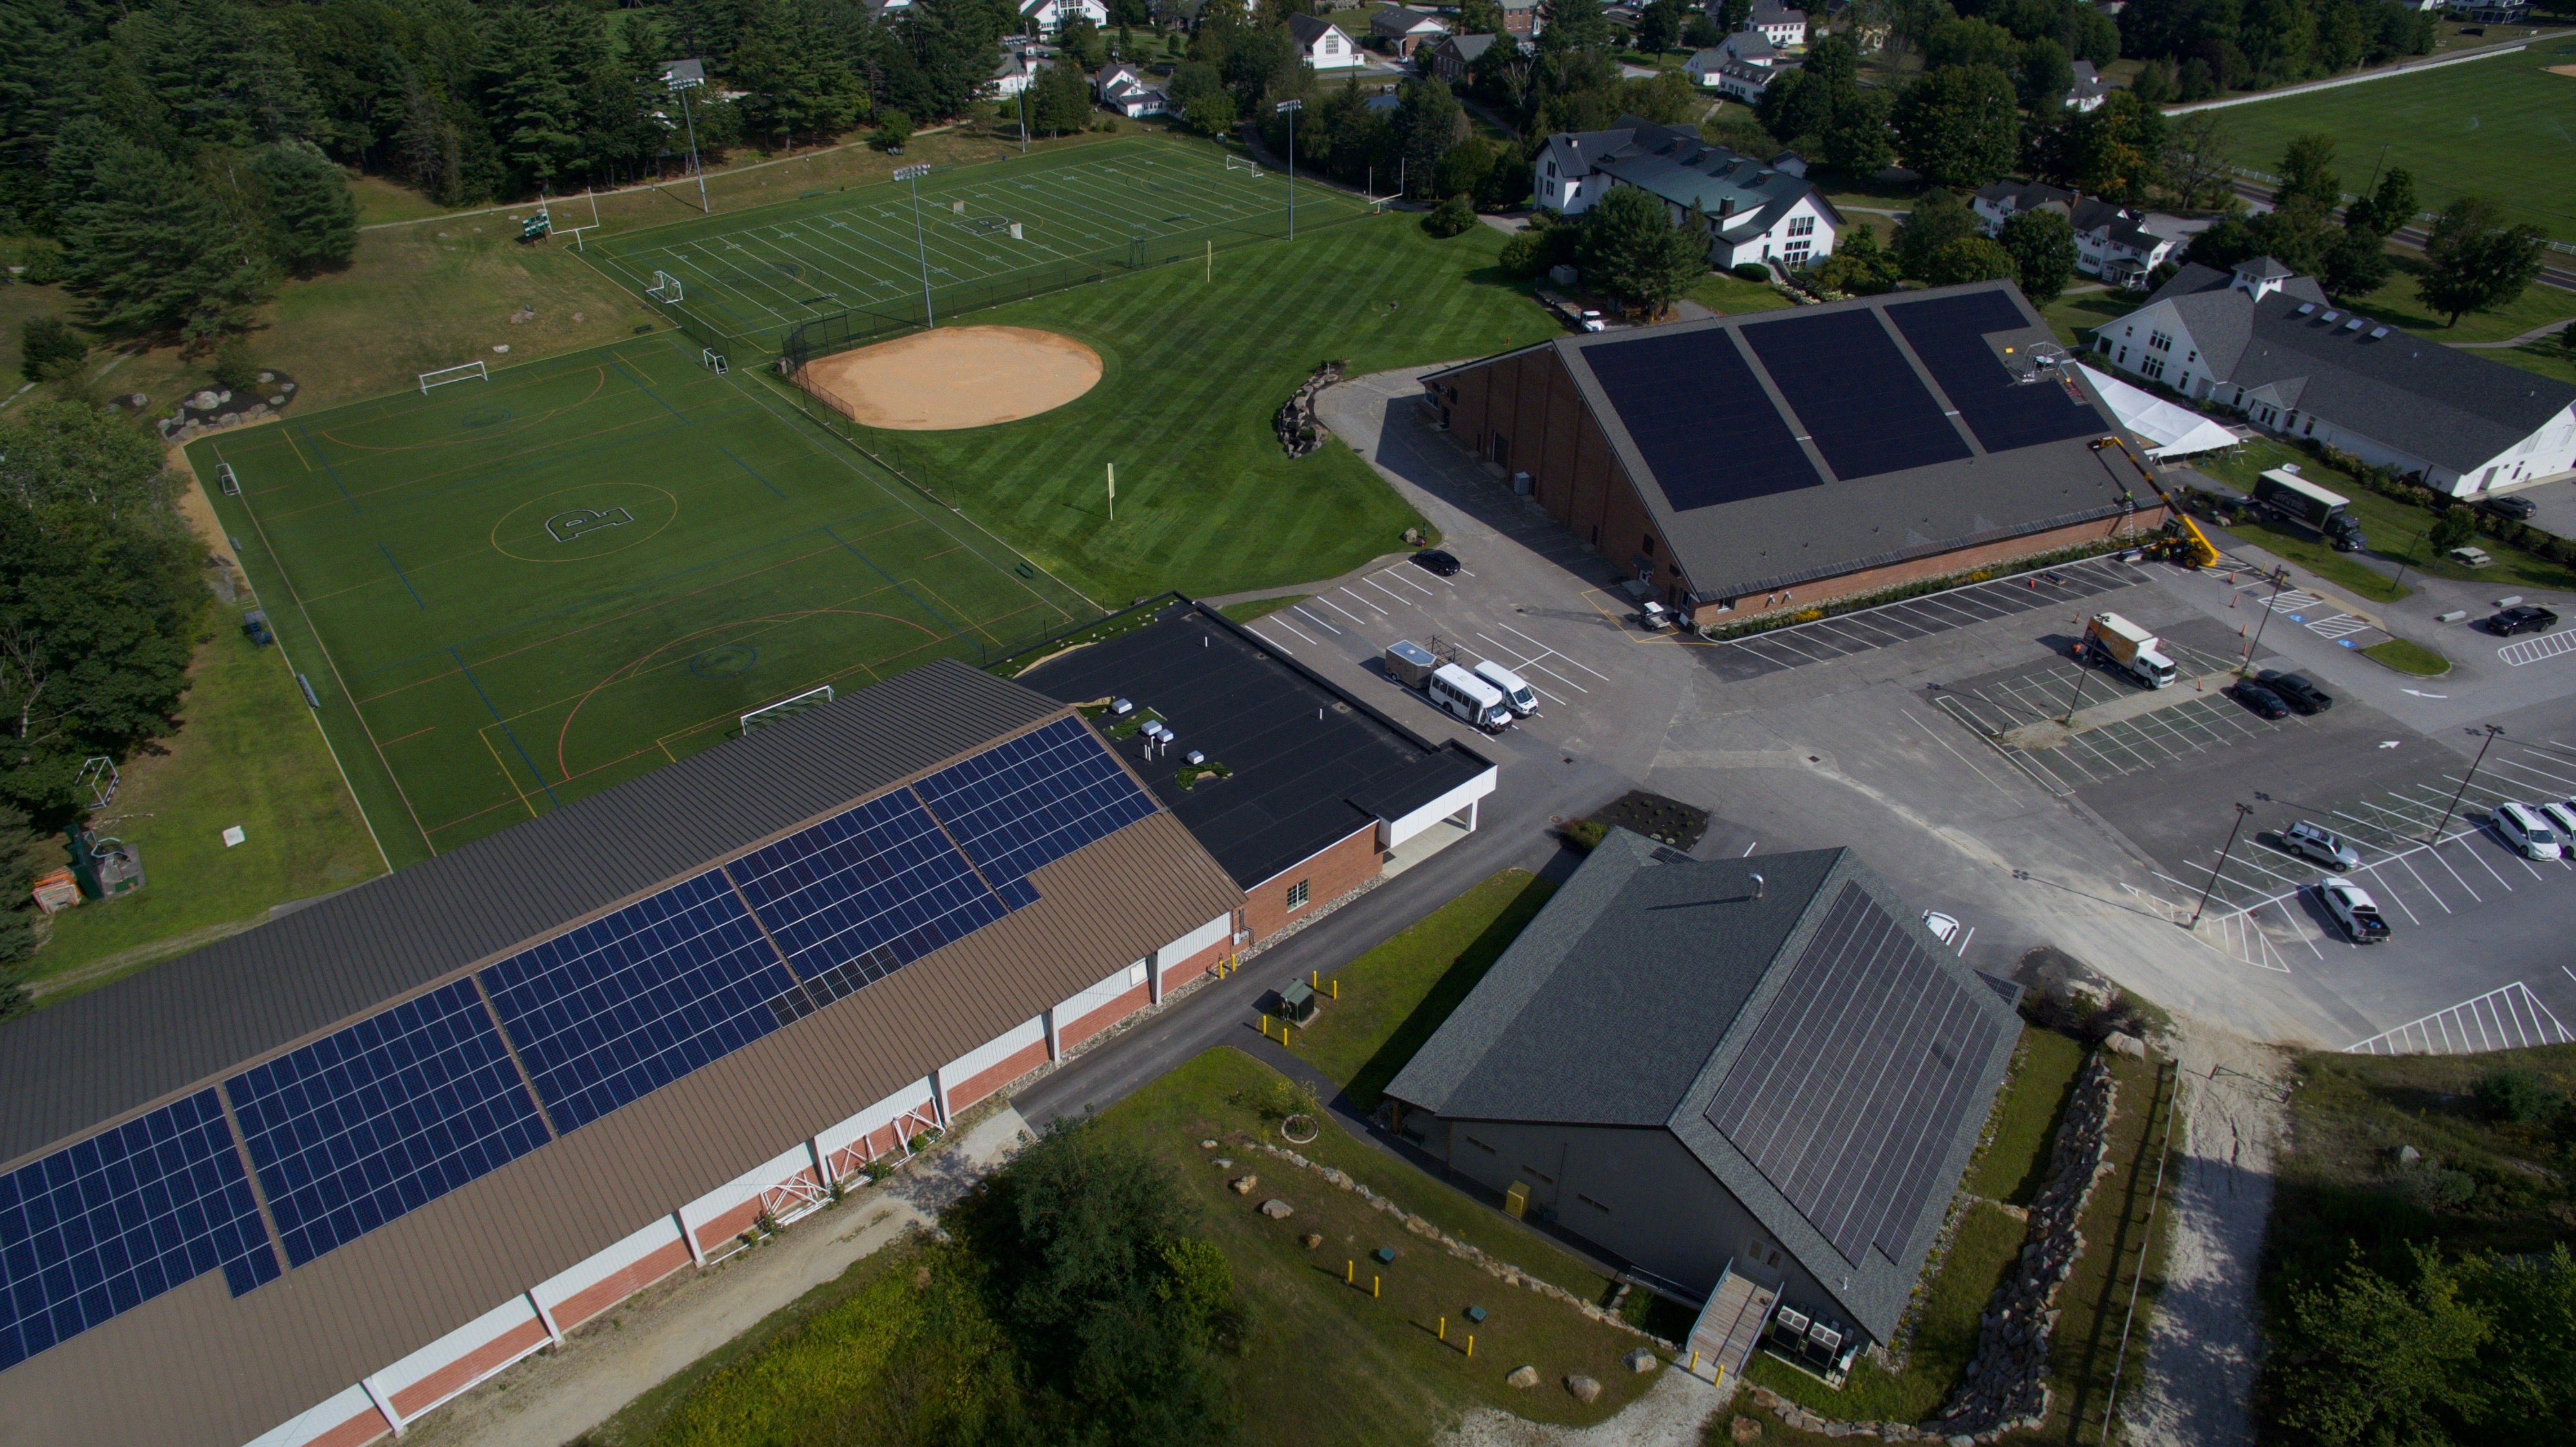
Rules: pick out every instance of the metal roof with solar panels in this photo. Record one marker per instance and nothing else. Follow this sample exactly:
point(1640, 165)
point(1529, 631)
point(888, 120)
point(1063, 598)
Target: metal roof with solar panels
point(1779, 447)
point(349, 1131)
point(1784, 1016)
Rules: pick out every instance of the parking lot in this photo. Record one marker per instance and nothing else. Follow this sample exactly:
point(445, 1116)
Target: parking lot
point(1891, 623)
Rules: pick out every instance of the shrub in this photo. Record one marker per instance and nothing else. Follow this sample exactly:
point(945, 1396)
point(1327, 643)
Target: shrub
point(49, 347)
point(893, 129)
point(234, 371)
point(1452, 217)
point(2454, 528)
point(1586, 834)
point(1752, 271)
point(2517, 1097)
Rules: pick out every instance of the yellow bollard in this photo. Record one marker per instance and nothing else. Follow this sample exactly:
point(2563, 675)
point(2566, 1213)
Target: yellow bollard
point(1337, 987)
point(1348, 1267)
point(1471, 1343)
point(1372, 1288)
point(1314, 979)
point(1265, 1027)
point(1694, 1366)
point(1444, 1328)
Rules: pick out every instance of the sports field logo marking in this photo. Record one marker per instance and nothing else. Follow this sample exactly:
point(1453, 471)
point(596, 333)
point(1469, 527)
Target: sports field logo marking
point(566, 526)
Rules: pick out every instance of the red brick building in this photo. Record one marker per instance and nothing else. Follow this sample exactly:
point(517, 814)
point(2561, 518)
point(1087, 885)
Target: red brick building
point(1743, 465)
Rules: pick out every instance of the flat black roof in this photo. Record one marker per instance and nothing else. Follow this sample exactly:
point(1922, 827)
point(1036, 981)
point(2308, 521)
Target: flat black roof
point(1311, 763)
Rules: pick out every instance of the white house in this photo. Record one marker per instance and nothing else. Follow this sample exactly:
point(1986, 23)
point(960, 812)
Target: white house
point(1713, 69)
point(1782, 25)
point(2111, 242)
point(2270, 344)
point(1124, 89)
point(1323, 44)
point(1018, 69)
point(1755, 211)
point(1046, 17)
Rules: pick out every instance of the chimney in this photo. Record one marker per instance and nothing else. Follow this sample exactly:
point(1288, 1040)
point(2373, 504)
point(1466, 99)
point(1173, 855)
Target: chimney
point(1757, 886)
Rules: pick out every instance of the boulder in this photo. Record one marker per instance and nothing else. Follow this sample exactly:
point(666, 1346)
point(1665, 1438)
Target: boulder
point(1242, 1185)
point(1523, 1377)
point(1311, 1240)
point(1640, 1361)
point(1584, 1388)
point(1209, 1144)
point(1743, 1429)
point(2121, 1042)
point(1277, 1210)
point(2408, 1155)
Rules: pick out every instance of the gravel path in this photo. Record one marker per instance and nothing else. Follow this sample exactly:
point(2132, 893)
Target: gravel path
point(1671, 1414)
point(2204, 1350)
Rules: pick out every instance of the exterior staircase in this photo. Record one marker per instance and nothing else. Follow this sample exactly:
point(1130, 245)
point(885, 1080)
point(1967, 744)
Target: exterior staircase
point(1721, 1341)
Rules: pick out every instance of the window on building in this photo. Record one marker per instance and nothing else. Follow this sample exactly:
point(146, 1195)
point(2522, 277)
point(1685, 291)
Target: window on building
point(1480, 1145)
point(1796, 251)
point(1803, 226)
point(1595, 1205)
point(1297, 894)
point(1502, 450)
point(2153, 367)
point(2159, 341)
point(1646, 545)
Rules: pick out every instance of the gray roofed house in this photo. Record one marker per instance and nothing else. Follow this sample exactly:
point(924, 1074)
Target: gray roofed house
point(2089, 90)
point(1754, 211)
point(1763, 1069)
point(2111, 242)
point(2272, 344)
point(1451, 57)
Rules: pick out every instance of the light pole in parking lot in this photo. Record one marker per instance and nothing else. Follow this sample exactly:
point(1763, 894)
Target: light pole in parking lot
point(2241, 811)
point(2280, 580)
point(2492, 731)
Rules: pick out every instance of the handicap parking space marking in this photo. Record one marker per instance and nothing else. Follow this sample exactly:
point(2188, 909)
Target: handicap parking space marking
point(2506, 1018)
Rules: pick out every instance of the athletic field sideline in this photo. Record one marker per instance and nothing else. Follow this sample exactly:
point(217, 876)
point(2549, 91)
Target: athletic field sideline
point(509, 593)
point(754, 275)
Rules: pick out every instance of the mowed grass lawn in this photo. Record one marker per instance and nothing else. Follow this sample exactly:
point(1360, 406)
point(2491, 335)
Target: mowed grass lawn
point(513, 592)
point(1208, 503)
point(2503, 128)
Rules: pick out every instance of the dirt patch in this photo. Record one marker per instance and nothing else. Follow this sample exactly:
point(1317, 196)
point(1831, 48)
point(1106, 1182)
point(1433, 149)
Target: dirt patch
point(955, 377)
point(2569, 70)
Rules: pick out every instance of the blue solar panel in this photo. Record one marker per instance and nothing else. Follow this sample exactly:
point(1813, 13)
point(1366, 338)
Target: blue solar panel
point(1949, 334)
point(1021, 805)
point(103, 1226)
point(1864, 407)
point(1699, 417)
point(631, 1002)
point(381, 1118)
point(861, 895)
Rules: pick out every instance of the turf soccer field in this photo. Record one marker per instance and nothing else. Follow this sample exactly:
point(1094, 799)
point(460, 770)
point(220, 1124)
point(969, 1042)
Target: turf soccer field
point(1082, 213)
point(514, 592)
point(2503, 128)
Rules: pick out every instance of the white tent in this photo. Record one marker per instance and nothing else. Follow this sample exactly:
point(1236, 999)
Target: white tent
point(2171, 430)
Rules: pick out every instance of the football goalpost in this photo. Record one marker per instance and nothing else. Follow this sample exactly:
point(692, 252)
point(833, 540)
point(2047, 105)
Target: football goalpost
point(546, 208)
point(665, 287)
point(1242, 163)
point(470, 372)
point(812, 698)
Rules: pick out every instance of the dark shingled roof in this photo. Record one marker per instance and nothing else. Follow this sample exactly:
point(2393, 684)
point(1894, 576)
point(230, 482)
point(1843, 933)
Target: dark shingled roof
point(1312, 764)
point(1814, 1047)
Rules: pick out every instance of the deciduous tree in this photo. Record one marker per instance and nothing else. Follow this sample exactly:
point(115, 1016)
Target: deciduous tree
point(1632, 249)
point(1956, 126)
point(2042, 247)
point(2477, 262)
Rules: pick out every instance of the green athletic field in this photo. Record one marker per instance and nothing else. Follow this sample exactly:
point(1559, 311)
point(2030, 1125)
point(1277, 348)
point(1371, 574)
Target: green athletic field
point(512, 592)
point(2503, 128)
point(747, 278)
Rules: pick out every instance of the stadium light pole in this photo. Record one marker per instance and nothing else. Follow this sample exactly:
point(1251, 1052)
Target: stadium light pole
point(681, 86)
point(911, 175)
point(1289, 108)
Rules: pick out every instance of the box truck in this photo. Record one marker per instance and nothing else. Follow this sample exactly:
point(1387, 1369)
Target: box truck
point(2292, 498)
point(2124, 645)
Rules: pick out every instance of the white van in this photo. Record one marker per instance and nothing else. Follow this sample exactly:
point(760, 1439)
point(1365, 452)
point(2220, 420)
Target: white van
point(1469, 697)
point(1516, 694)
point(2524, 829)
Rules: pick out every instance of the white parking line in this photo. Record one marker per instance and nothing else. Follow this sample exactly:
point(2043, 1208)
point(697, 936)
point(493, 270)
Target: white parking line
point(1345, 612)
point(1546, 651)
point(2509, 1017)
point(2523, 651)
point(1401, 578)
point(1390, 592)
point(1273, 642)
point(1300, 609)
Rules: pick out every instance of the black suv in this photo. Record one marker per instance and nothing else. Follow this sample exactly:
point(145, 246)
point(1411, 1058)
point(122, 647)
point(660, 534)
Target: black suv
point(2529, 618)
point(2517, 508)
point(2297, 692)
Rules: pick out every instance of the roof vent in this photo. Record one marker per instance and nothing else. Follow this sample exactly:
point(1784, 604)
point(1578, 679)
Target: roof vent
point(2306, 307)
point(2329, 316)
point(2356, 324)
point(2377, 332)
point(1757, 886)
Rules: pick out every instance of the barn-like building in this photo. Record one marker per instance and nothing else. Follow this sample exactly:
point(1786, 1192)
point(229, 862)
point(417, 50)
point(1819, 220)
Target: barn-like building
point(1771, 461)
point(302, 1185)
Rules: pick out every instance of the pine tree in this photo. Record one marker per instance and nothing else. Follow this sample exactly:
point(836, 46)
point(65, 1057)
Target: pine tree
point(311, 221)
point(1632, 249)
point(526, 100)
point(153, 250)
point(1059, 100)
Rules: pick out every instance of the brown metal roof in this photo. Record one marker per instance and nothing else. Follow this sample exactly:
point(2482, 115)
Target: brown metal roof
point(224, 1369)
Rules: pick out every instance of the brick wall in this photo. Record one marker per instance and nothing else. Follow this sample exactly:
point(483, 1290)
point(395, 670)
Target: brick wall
point(1329, 873)
point(1997, 556)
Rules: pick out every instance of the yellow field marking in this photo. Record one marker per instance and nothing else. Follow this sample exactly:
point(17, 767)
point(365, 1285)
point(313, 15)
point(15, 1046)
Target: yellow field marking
point(289, 433)
point(485, 735)
point(415, 733)
point(953, 608)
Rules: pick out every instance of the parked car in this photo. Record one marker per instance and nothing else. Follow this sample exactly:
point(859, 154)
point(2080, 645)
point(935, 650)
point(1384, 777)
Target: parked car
point(2528, 618)
point(2258, 698)
point(2297, 692)
point(1438, 561)
point(2317, 842)
point(2470, 557)
point(2561, 817)
point(2516, 508)
point(2354, 911)
point(2527, 830)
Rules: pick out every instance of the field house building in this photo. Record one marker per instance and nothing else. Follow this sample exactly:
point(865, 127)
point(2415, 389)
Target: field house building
point(1748, 464)
point(1746, 1078)
point(1325, 794)
point(304, 1184)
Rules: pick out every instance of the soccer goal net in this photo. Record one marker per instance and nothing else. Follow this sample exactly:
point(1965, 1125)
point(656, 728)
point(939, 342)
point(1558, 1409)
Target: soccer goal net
point(812, 698)
point(231, 482)
point(470, 372)
point(1240, 163)
point(713, 361)
point(665, 287)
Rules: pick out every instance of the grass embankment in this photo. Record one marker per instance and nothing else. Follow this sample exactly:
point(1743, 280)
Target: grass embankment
point(2093, 1303)
point(1731, 295)
point(1184, 409)
point(1396, 995)
point(1260, 607)
point(2407, 657)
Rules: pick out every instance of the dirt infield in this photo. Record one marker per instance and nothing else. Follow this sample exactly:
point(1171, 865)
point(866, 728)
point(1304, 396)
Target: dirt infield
point(955, 377)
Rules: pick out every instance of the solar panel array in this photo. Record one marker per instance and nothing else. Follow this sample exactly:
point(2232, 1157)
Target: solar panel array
point(1864, 407)
point(631, 1002)
point(1856, 1081)
point(1949, 334)
point(1669, 388)
point(383, 1116)
point(105, 1225)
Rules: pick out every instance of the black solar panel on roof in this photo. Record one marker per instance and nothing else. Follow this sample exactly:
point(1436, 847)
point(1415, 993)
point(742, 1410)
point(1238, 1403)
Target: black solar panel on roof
point(877, 887)
point(1700, 418)
point(382, 1117)
point(106, 1224)
point(1864, 408)
point(1857, 1078)
point(1021, 805)
point(1949, 334)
